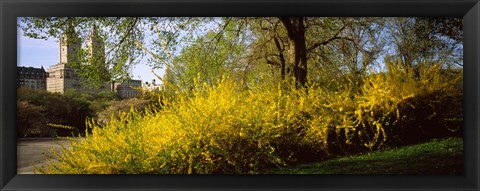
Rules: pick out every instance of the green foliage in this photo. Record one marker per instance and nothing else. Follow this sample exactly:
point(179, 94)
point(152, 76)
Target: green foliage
point(255, 118)
point(213, 47)
point(207, 59)
point(70, 109)
point(99, 102)
point(116, 108)
point(108, 95)
point(30, 120)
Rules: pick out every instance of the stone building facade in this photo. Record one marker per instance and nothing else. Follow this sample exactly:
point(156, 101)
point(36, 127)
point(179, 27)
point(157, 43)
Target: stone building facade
point(69, 47)
point(128, 88)
point(29, 77)
point(62, 77)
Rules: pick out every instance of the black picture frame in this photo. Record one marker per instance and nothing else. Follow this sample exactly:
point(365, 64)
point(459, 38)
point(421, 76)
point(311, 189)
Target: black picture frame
point(11, 9)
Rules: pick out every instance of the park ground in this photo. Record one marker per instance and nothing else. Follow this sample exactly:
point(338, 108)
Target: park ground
point(442, 156)
point(30, 152)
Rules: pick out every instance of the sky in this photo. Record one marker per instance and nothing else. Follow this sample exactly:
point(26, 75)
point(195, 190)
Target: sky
point(37, 53)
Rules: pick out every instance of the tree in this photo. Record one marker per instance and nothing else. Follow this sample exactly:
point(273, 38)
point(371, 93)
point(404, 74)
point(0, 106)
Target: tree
point(420, 40)
point(291, 43)
point(361, 46)
point(294, 46)
point(297, 48)
point(449, 32)
point(270, 46)
point(217, 52)
point(126, 32)
point(169, 81)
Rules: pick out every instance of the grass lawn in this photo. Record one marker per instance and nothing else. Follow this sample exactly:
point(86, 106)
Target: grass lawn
point(443, 156)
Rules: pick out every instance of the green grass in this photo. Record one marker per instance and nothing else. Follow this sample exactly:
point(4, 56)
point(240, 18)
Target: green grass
point(443, 156)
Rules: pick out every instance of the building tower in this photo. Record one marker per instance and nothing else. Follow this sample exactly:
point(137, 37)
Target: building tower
point(96, 53)
point(61, 76)
point(96, 48)
point(70, 45)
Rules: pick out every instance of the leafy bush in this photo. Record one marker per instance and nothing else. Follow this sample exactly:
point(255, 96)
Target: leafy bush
point(431, 104)
point(96, 101)
point(59, 109)
point(116, 108)
point(222, 129)
point(30, 120)
point(401, 106)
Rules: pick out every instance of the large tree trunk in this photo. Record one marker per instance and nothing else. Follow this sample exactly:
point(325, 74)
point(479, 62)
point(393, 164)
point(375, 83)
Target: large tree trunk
point(297, 48)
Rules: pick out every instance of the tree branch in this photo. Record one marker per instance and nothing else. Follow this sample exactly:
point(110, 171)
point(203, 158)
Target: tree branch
point(335, 37)
point(125, 36)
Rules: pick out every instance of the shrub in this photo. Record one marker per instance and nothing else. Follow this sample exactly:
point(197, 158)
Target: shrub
point(221, 129)
point(116, 108)
point(215, 130)
point(108, 95)
point(399, 106)
point(30, 120)
point(59, 109)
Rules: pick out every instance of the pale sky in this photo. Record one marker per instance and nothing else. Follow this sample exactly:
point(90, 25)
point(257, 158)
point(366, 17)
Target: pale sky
point(37, 53)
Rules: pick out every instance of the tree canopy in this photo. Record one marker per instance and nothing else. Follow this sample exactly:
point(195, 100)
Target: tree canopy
point(288, 49)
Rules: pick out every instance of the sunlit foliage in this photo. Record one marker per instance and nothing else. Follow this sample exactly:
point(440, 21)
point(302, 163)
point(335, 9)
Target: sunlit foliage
point(226, 129)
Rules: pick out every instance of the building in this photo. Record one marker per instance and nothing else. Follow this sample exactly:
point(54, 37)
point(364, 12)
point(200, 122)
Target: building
point(29, 77)
point(62, 76)
point(70, 45)
point(154, 86)
point(128, 88)
point(96, 51)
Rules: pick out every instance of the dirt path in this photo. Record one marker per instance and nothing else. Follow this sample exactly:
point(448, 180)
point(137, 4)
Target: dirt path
point(30, 152)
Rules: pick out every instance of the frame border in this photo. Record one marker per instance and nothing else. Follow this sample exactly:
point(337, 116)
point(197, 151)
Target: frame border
point(10, 10)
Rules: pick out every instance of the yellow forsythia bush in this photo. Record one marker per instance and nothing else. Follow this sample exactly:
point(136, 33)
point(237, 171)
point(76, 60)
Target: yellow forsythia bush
point(407, 105)
point(223, 129)
point(216, 130)
point(399, 106)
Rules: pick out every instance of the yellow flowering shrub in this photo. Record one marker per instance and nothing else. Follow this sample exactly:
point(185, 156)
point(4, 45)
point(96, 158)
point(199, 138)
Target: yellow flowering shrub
point(406, 98)
point(222, 129)
point(217, 129)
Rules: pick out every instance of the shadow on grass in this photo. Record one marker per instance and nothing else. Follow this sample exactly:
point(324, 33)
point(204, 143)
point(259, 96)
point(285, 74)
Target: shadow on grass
point(435, 157)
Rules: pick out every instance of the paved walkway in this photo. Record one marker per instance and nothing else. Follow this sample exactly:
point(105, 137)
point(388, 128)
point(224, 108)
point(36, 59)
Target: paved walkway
point(30, 152)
